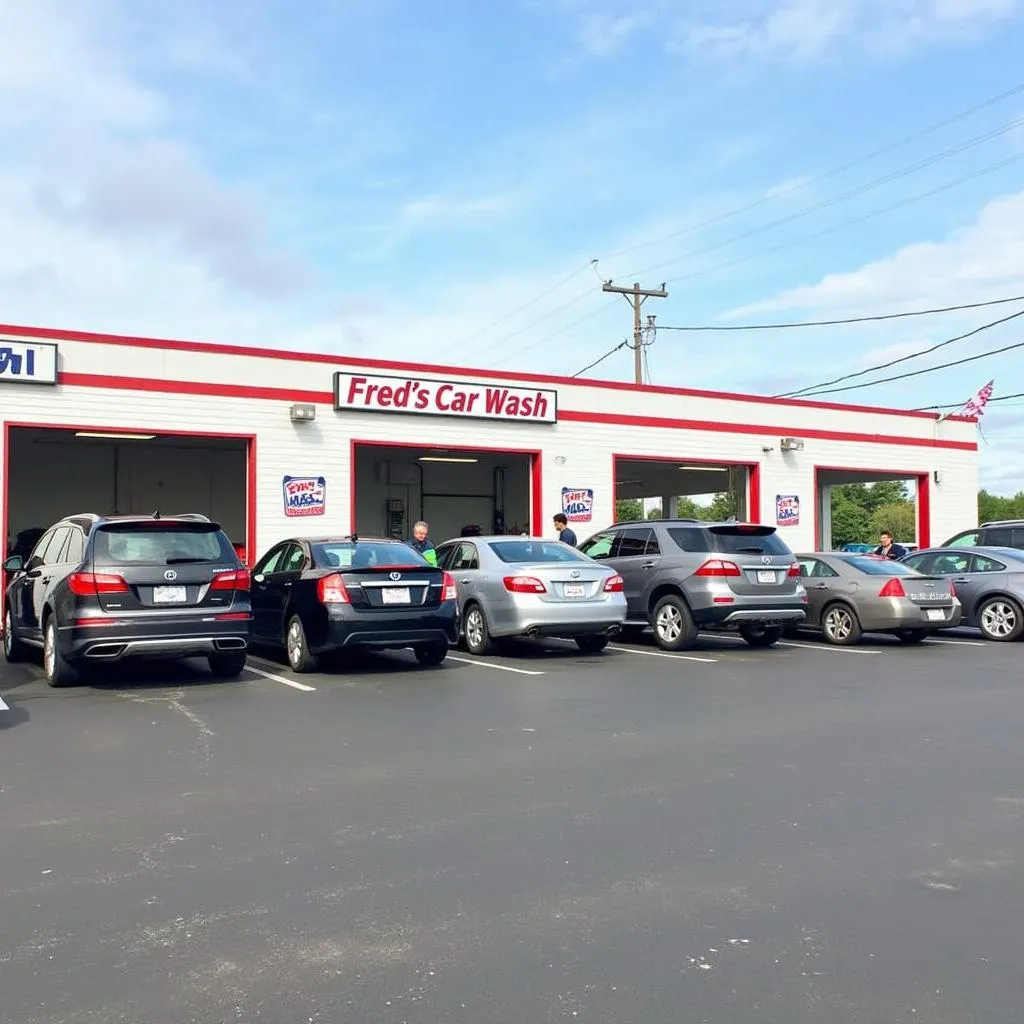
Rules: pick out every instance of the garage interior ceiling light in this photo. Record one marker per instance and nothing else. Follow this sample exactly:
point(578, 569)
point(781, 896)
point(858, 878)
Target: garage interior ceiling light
point(706, 469)
point(114, 437)
point(445, 458)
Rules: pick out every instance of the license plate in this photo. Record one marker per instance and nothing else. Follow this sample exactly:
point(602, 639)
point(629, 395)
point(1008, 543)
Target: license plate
point(395, 595)
point(936, 615)
point(765, 575)
point(169, 595)
point(574, 590)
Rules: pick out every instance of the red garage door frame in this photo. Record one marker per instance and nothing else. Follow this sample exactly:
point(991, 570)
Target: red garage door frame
point(923, 503)
point(753, 476)
point(536, 470)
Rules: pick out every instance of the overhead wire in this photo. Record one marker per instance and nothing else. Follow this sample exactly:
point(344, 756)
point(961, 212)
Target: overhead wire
point(960, 405)
point(814, 389)
point(618, 348)
point(848, 320)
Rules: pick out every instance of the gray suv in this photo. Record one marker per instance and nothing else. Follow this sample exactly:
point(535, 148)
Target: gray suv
point(683, 576)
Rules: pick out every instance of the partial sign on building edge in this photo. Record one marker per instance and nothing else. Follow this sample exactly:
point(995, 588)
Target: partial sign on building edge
point(304, 496)
point(27, 362)
point(578, 504)
point(787, 509)
point(424, 396)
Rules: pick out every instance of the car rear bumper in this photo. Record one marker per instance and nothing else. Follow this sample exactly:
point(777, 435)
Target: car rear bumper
point(530, 616)
point(898, 615)
point(117, 646)
point(347, 628)
point(730, 616)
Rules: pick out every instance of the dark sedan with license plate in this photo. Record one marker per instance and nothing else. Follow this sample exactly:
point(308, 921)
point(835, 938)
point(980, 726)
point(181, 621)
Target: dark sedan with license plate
point(314, 596)
point(850, 594)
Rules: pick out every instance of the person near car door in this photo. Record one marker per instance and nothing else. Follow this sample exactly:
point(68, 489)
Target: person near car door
point(565, 535)
point(422, 543)
point(888, 549)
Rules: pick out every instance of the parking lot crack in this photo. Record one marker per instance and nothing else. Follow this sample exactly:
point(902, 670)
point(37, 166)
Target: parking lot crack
point(176, 702)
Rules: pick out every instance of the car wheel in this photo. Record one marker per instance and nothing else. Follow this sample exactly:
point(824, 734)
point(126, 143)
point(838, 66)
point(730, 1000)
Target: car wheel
point(761, 636)
point(913, 636)
point(1000, 619)
point(14, 649)
point(840, 625)
point(431, 654)
point(227, 666)
point(478, 635)
point(591, 644)
point(673, 624)
point(58, 672)
point(295, 645)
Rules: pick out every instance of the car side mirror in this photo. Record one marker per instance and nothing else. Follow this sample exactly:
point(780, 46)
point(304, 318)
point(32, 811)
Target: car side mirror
point(14, 564)
point(259, 578)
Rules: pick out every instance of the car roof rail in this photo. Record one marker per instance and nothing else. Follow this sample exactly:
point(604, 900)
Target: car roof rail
point(197, 516)
point(1003, 522)
point(91, 516)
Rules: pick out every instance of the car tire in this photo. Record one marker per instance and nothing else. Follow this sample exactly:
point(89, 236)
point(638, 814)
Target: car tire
point(674, 629)
point(840, 625)
point(477, 632)
point(14, 649)
point(1000, 619)
point(592, 644)
point(58, 671)
point(913, 636)
point(430, 654)
point(761, 636)
point(296, 647)
point(227, 666)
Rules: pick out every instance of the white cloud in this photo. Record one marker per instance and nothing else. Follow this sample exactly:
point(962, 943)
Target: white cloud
point(448, 211)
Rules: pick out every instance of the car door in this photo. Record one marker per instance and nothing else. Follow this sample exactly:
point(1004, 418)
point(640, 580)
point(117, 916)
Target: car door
point(279, 594)
point(42, 577)
point(982, 579)
point(820, 581)
point(464, 565)
point(636, 559)
point(263, 597)
point(956, 566)
point(20, 596)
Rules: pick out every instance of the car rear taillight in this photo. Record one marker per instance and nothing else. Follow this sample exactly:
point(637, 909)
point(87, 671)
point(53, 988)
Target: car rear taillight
point(92, 584)
point(524, 585)
point(235, 580)
point(331, 589)
point(449, 592)
point(233, 617)
point(794, 570)
point(952, 589)
point(718, 567)
point(894, 588)
point(614, 585)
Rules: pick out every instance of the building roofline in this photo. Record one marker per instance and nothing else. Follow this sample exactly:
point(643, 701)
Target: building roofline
point(257, 352)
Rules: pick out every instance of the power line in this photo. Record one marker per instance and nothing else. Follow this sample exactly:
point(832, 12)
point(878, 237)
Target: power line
point(960, 405)
point(813, 389)
point(561, 330)
point(842, 197)
point(618, 348)
point(928, 369)
point(848, 320)
point(824, 175)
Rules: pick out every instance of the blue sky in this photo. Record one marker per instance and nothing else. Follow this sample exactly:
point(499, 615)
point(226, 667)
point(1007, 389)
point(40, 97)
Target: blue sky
point(432, 181)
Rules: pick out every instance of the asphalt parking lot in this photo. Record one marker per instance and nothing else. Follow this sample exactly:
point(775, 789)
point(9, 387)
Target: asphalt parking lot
point(800, 834)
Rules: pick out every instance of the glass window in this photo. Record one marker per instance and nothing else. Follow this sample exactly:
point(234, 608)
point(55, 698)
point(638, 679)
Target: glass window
point(445, 555)
point(270, 561)
point(75, 548)
point(633, 541)
point(466, 558)
point(881, 566)
point(1017, 538)
point(688, 538)
point(36, 558)
point(653, 547)
point(814, 568)
point(174, 543)
point(998, 537)
point(599, 546)
point(747, 540)
point(982, 563)
point(945, 564)
point(51, 556)
point(294, 560)
point(964, 540)
point(367, 554)
point(521, 551)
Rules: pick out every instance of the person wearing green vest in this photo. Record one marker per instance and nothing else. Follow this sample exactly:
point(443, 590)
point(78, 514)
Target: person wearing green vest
point(422, 543)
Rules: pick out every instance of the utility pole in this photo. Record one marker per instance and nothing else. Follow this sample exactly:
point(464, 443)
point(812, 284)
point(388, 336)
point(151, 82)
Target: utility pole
point(636, 297)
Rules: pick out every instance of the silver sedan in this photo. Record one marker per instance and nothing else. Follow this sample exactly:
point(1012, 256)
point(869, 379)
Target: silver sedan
point(532, 587)
point(849, 594)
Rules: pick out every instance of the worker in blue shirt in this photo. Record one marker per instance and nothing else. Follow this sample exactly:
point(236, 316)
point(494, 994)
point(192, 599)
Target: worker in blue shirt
point(565, 535)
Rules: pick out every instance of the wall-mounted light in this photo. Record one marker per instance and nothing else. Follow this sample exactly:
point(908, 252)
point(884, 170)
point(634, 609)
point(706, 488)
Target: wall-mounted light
point(111, 436)
point(705, 469)
point(444, 458)
point(791, 444)
point(766, 448)
point(937, 477)
point(302, 413)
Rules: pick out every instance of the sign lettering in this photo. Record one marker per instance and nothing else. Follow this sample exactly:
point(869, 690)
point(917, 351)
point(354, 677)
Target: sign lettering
point(787, 509)
point(425, 397)
point(27, 362)
point(578, 504)
point(304, 496)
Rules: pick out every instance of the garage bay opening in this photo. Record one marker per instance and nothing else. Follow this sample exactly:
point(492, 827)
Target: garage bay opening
point(53, 473)
point(855, 506)
point(459, 492)
point(681, 488)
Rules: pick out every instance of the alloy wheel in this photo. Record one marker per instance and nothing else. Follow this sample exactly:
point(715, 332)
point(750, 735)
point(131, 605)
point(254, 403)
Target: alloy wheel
point(669, 624)
point(8, 634)
point(839, 623)
point(295, 644)
point(999, 619)
point(49, 650)
point(474, 628)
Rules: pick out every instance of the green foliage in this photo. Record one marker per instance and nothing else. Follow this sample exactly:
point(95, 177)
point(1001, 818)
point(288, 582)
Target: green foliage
point(861, 511)
point(627, 509)
point(991, 507)
point(851, 523)
point(899, 518)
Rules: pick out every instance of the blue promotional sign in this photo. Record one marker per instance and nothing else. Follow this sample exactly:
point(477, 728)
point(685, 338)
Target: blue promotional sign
point(27, 362)
point(787, 509)
point(305, 496)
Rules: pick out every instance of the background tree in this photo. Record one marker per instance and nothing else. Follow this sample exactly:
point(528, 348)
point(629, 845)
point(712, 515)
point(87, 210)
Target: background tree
point(628, 509)
point(851, 522)
point(899, 518)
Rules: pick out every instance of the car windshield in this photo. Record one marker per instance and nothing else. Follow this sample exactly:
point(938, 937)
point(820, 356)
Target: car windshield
point(173, 544)
point(882, 567)
point(513, 551)
point(343, 554)
point(747, 540)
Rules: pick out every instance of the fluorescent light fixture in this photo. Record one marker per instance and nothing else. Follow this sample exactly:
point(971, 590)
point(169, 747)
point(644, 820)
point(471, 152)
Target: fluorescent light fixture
point(444, 458)
point(114, 437)
point(706, 469)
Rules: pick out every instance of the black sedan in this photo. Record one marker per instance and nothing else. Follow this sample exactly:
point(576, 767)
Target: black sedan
point(317, 596)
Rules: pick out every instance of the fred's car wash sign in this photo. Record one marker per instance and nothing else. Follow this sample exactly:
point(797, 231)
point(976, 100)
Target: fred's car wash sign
point(578, 504)
point(24, 362)
point(423, 396)
point(305, 496)
point(787, 509)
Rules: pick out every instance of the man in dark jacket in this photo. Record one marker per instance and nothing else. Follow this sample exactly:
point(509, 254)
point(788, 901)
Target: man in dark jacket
point(887, 549)
point(565, 535)
point(422, 543)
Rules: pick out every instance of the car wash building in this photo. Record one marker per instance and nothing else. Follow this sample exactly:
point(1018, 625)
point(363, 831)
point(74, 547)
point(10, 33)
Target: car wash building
point(277, 443)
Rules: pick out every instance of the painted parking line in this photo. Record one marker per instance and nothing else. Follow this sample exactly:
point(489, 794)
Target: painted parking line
point(826, 648)
point(958, 643)
point(4, 706)
point(491, 664)
point(658, 654)
point(293, 683)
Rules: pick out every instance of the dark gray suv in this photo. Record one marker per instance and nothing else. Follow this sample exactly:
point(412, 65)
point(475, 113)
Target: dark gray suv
point(683, 576)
